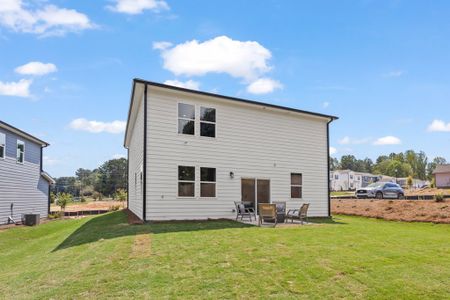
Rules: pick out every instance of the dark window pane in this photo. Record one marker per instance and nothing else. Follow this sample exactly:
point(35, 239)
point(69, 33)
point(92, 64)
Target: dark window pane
point(186, 173)
point(186, 189)
point(296, 192)
point(207, 190)
point(207, 174)
point(207, 129)
point(20, 147)
point(186, 127)
point(208, 114)
point(186, 111)
point(2, 151)
point(20, 157)
point(296, 179)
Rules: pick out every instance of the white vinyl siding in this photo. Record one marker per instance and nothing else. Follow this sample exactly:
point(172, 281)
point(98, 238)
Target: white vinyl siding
point(136, 158)
point(254, 142)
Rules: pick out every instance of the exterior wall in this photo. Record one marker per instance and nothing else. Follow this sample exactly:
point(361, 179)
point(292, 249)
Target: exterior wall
point(251, 141)
point(442, 180)
point(135, 161)
point(22, 184)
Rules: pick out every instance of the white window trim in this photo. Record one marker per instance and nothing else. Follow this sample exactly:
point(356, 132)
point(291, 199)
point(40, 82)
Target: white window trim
point(207, 122)
point(215, 183)
point(187, 119)
point(3, 145)
point(19, 142)
point(296, 185)
point(187, 181)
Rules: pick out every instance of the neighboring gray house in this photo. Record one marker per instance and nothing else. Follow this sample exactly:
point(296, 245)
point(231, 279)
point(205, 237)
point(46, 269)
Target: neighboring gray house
point(22, 179)
point(442, 176)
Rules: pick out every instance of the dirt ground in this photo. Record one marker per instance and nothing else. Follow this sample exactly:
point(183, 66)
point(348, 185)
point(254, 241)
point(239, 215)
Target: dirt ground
point(398, 210)
point(427, 192)
point(95, 205)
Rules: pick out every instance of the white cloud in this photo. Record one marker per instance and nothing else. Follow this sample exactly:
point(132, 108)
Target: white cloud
point(439, 126)
point(20, 88)
point(350, 141)
point(325, 104)
point(118, 156)
point(248, 60)
point(333, 150)
point(161, 45)
point(263, 86)
point(189, 84)
point(387, 140)
point(36, 68)
point(134, 7)
point(98, 127)
point(43, 20)
point(395, 73)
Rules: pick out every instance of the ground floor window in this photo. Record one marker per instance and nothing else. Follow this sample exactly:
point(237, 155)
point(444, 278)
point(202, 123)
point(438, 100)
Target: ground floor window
point(186, 181)
point(296, 185)
point(207, 182)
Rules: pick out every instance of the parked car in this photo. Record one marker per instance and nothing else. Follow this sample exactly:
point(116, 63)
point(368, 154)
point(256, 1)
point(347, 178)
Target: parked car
point(381, 190)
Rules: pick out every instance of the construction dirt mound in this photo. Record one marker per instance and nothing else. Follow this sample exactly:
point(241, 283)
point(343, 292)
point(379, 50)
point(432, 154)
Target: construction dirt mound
point(398, 210)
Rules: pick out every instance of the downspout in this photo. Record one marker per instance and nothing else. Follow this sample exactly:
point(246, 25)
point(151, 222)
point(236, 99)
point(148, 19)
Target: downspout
point(144, 208)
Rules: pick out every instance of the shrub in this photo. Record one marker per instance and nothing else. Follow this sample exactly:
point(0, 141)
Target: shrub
point(115, 207)
point(433, 183)
point(83, 199)
point(439, 197)
point(409, 181)
point(52, 197)
point(56, 215)
point(97, 196)
point(87, 191)
point(63, 199)
point(121, 195)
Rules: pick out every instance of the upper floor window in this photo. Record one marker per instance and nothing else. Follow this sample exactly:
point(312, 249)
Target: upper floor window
point(186, 119)
point(2, 145)
point(296, 185)
point(207, 182)
point(20, 151)
point(186, 181)
point(208, 121)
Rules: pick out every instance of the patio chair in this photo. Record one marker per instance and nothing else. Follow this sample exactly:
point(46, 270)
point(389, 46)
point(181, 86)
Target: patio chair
point(242, 211)
point(300, 214)
point(281, 211)
point(267, 213)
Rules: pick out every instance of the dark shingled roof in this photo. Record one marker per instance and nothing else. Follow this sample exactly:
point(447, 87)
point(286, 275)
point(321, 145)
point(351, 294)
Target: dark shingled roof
point(442, 169)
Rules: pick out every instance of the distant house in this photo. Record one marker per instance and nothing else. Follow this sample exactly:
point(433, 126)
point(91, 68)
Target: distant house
point(442, 176)
point(23, 182)
point(347, 180)
point(193, 154)
point(416, 183)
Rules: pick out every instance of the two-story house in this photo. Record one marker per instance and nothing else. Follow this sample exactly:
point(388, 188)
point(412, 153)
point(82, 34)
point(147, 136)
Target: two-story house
point(191, 154)
point(24, 186)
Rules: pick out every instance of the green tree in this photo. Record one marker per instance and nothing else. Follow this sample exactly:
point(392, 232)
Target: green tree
point(393, 168)
point(112, 175)
point(348, 162)
point(432, 166)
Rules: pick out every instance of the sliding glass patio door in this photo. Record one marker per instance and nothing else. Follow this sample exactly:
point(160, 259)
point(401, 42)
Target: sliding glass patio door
point(255, 191)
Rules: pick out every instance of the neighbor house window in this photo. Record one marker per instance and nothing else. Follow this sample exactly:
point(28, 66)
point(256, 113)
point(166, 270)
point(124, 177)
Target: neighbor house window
point(296, 185)
point(208, 121)
point(186, 181)
point(2, 145)
point(336, 177)
point(207, 182)
point(186, 119)
point(20, 151)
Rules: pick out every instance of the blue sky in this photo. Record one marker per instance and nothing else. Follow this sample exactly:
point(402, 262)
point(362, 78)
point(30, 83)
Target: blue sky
point(381, 66)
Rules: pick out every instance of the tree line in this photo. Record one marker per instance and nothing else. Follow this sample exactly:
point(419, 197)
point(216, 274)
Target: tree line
point(105, 180)
point(403, 164)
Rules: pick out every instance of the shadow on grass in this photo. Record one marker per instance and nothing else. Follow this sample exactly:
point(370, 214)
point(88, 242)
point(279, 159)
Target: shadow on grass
point(113, 225)
point(332, 221)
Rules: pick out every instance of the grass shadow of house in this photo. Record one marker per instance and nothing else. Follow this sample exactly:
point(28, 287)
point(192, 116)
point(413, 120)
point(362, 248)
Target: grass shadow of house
point(114, 225)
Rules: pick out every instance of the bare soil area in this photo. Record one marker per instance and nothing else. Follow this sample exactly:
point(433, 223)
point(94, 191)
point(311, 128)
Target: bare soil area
point(398, 210)
point(95, 205)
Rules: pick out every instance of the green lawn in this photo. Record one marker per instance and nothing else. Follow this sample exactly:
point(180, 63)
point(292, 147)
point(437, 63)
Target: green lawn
point(104, 257)
point(341, 194)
